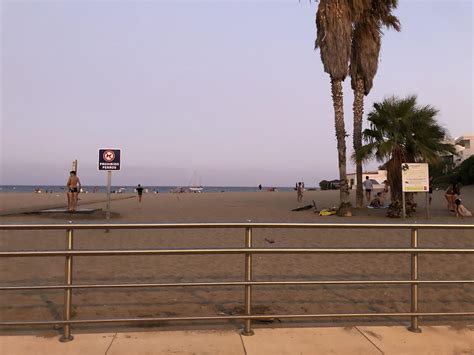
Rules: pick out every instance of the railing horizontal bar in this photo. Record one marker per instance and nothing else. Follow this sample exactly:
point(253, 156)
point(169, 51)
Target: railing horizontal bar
point(248, 251)
point(229, 225)
point(234, 283)
point(255, 317)
point(234, 251)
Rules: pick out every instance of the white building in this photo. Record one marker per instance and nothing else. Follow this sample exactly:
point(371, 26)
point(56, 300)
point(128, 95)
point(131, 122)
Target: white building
point(379, 176)
point(464, 148)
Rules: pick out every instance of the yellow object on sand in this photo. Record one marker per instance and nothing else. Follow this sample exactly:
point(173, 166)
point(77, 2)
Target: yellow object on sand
point(328, 212)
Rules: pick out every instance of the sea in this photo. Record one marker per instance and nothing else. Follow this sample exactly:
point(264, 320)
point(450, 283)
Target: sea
point(131, 189)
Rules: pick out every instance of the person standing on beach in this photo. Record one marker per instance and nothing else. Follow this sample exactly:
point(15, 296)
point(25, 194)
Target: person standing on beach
point(299, 191)
point(368, 187)
point(73, 188)
point(140, 192)
point(260, 187)
point(451, 194)
point(386, 190)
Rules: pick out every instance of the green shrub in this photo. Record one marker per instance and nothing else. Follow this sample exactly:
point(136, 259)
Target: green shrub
point(465, 171)
point(464, 174)
point(324, 185)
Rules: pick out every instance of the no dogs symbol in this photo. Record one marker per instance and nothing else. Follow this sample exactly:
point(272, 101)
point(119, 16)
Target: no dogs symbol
point(109, 156)
point(109, 159)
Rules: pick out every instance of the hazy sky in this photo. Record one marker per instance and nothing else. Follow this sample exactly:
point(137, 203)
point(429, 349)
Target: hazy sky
point(232, 89)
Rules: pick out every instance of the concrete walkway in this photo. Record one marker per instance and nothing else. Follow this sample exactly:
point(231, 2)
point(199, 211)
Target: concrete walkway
point(350, 340)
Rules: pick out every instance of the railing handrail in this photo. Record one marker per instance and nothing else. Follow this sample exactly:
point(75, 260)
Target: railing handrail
point(237, 283)
point(70, 253)
point(62, 226)
point(241, 317)
point(123, 252)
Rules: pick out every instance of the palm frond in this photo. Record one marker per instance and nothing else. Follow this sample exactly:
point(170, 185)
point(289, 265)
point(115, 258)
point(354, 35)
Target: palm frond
point(401, 128)
point(333, 36)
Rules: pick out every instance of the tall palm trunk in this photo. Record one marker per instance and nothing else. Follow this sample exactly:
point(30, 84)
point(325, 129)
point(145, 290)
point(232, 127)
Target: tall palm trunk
point(394, 176)
point(358, 108)
point(338, 103)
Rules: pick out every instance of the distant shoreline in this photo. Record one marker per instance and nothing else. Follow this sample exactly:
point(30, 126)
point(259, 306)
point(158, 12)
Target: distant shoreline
point(150, 189)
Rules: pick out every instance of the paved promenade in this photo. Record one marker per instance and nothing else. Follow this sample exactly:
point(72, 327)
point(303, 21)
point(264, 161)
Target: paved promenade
point(350, 340)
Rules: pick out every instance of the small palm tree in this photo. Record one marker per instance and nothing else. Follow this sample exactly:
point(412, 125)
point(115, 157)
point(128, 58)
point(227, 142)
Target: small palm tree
point(401, 131)
point(366, 44)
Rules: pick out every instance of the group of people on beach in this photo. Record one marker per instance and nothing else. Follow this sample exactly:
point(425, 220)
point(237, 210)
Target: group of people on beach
point(45, 191)
point(454, 202)
point(452, 197)
point(74, 186)
point(380, 197)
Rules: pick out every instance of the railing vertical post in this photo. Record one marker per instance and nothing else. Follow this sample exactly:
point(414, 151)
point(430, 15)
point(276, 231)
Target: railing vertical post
point(414, 286)
point(248, 288)
point(404, 208)
point(68, 291)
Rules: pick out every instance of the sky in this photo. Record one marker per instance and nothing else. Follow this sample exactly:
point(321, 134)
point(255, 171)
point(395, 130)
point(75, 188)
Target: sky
point(233, 90)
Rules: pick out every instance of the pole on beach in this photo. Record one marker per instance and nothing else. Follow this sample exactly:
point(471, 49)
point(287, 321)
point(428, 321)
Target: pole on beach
point(68, 291)
point(109, 184)
point(427, 205)
point(404, 212)
point(109, 159)
point(248, 288)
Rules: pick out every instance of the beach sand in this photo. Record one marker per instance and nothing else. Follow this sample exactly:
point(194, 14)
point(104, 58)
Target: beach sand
point(200, 301)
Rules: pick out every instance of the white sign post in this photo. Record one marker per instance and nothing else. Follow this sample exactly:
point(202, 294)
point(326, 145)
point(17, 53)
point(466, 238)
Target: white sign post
point(415, 178)
point(109, 159)
point(109, 185)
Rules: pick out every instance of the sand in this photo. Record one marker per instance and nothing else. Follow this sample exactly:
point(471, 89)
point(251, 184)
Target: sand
point(200, 301)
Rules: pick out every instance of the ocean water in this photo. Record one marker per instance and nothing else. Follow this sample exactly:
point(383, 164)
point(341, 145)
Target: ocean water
point(131, 189)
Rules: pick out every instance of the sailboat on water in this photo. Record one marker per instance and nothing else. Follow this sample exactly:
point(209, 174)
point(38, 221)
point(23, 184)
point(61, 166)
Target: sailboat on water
point(195, 184)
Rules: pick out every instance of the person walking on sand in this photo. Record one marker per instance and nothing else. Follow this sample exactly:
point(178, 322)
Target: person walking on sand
point(73, 188)
point(139, 192)
point(368, 187)
point(299, 191)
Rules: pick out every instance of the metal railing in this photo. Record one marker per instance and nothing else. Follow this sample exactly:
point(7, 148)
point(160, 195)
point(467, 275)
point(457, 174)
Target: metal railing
point(248, 282)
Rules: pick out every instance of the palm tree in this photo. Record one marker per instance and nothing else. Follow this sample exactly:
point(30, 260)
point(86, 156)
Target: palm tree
point(334, 20)
point(366, 43)
point(401, 131)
